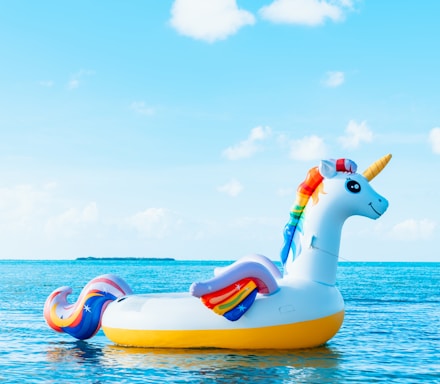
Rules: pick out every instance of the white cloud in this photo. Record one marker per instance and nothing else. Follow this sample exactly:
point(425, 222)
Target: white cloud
point(154, 223)
point(77, 78)
point(46, 83)
point(305, 12)
point(412, 229)
point(334, 79)
point(141, 108)
point(248, 147)
point(21, 205)
point(434, 140)
point(308, 148)
point(232, 188)
point(30, 209)
point(209, 20)
point(355, 134)
point(73, 84)
point(72, 221)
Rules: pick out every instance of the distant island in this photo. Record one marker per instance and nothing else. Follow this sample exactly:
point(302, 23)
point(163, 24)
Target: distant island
point(126, 258)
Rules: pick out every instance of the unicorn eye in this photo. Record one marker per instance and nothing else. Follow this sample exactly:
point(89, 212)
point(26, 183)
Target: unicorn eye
point(353, 186)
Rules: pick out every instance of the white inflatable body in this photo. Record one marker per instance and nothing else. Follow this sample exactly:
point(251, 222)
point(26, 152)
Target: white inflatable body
point(301, 314)
point(301, 309)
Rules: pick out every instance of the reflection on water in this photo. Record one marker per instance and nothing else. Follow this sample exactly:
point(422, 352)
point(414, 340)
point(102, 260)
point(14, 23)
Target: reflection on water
point(76, 351)
point(323, 357)
point(199, 365)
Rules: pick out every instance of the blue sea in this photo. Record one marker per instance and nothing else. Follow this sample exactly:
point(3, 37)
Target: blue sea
point(391, 331)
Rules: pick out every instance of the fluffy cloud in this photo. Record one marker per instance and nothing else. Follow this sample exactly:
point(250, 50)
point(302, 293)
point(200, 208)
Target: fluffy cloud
point(305, 12)
point(434, 140)
point(412, 229)
point(355, 134)
point(218, 19)
point(308, 148)
point(154, 223)
point(22, 206)
point(46, 83)
point(30, 209)
point(72, 221)
point(77, 78)
point(334, 79)
point(141, 108)
point(232, 188)
point(248, 147)
point(209, 20)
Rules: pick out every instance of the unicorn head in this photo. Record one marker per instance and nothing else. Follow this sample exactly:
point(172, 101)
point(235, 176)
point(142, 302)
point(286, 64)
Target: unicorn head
point(331, 193)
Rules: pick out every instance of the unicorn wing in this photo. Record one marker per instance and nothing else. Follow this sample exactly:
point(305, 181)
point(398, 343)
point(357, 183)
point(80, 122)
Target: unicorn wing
point(232, 292)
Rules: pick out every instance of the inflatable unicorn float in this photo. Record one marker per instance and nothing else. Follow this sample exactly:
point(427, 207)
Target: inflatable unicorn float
point(249, 304)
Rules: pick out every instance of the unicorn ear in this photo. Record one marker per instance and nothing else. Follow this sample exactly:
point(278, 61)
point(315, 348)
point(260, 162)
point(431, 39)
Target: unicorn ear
point(327, 168)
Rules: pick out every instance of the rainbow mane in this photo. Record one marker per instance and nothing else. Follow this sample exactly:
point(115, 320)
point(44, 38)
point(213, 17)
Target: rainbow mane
point(305, 190)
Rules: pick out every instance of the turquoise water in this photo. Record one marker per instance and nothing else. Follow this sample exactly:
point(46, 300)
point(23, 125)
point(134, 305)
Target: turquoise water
point(391, 331)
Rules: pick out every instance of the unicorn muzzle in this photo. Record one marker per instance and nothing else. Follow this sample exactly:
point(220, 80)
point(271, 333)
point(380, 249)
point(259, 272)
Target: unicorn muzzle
point(379, 206)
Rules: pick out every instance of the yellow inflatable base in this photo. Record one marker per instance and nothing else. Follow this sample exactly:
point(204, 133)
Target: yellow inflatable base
point(305, 334)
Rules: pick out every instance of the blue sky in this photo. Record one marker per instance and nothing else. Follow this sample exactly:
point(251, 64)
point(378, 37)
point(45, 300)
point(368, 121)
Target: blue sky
point(183, 128)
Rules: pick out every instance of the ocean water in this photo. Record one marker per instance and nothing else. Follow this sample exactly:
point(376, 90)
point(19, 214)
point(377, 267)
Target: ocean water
point(391, 331)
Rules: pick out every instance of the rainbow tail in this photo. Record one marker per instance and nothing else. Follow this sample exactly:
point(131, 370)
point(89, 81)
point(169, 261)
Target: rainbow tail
point(83, 318)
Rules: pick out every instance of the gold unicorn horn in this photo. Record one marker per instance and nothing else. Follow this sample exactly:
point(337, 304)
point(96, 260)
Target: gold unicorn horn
point(374, 169)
